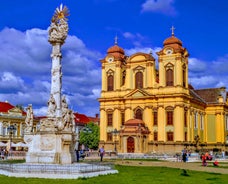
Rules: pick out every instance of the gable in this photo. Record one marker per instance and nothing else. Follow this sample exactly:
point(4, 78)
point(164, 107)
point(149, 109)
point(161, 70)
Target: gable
point(141, 57)
point(15, 111)
point(138, 58)
point(137, 93)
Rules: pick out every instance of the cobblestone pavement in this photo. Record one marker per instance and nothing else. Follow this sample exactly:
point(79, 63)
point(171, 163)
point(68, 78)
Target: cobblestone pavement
point(197, 166)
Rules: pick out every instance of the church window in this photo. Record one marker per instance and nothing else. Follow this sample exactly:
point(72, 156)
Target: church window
point(169, 77)
point(201, 122)
point(169, 136)
point(123, 77)
point(110, 82)
point(155, 136)
point(185, 118)
point(184, 78)
point(109, 136)
point(185, 136)
point(196, 121)
point(109, 119)
point(155, 118)
point(169, 117)
point(138, 114)
point(122, 118)
point(139, 80)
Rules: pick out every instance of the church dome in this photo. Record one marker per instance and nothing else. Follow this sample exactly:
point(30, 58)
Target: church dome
point(115, 49)
point(172, 40)
point(134, 122)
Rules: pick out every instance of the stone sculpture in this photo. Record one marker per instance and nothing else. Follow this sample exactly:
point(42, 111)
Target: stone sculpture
point(29, 119)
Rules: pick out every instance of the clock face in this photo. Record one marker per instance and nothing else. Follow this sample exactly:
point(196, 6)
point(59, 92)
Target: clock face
point(109, 59)
point(168, 51)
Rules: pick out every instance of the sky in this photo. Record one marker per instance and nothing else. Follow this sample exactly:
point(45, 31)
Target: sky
point(140, 25)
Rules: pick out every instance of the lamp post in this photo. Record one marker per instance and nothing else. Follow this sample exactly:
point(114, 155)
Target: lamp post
point(115, 132)
point(11, 129)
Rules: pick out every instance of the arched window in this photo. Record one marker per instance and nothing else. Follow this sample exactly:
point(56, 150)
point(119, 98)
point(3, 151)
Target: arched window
point(184, 78)
point(110, 82)
point(169, 117)
point(109, 119)
point(138, 114)
point(123, 77)
point(139, 80)
point(169, 77)
point(169, 136)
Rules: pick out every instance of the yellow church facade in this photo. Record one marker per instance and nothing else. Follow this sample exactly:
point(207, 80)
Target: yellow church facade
point(146, 108)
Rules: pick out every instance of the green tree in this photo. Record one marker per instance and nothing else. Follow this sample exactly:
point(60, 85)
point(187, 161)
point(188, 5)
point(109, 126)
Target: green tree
point(89, 136)
point(20, 106)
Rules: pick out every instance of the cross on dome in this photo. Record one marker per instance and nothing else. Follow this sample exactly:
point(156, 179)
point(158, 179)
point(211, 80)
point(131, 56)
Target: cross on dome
point(172, 29)
point(116, 40)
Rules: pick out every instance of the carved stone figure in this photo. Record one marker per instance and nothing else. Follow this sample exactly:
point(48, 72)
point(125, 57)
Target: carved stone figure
point(29, 119)
point(66, 116)
point(59, 27)
point(51, 107)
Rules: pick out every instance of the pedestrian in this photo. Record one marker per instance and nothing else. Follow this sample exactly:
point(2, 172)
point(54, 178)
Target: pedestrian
point(223, 154)
point(215, 163)
point(102, 152)
point(204, 160)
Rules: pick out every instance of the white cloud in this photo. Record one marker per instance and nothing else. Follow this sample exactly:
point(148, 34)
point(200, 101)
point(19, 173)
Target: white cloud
point(26, 71)
point(208, 74)
point(160, 6)
point(9, 82)
point(196, 65)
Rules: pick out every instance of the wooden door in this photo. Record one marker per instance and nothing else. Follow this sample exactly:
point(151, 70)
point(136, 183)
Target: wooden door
point(130, 145)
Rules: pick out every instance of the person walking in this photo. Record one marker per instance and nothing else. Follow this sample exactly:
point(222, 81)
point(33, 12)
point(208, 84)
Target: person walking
point(101, 151)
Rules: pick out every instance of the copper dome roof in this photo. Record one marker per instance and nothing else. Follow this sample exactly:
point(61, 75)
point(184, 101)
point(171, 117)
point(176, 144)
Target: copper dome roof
point(172, 40)
point(134, 122)
point(115, 49)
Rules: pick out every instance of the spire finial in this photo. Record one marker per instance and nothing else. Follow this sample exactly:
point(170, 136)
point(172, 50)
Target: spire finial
point(116, 40)
point(172, 29)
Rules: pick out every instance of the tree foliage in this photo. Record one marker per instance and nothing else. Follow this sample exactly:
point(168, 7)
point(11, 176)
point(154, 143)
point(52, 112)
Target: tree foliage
point(90, 139)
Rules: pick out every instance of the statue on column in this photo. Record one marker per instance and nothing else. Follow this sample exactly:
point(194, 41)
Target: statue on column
point(51, 107)
point(59, 27)
point(29, 119)
point(67, 116)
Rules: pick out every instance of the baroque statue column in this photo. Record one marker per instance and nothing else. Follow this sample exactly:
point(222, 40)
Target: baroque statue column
point(54, 140)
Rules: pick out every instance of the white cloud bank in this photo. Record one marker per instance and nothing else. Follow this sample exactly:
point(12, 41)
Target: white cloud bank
point(26, 71)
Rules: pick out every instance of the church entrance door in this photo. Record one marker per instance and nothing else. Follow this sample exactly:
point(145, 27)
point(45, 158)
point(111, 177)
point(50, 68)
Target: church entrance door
point(130, 145)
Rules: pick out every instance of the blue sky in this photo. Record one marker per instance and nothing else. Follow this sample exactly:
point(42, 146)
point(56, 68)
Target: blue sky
point(141, 26)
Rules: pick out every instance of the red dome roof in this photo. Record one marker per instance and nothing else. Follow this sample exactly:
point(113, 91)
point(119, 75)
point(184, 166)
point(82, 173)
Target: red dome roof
point(134, 122)
point(115, 49)
point(172, 40)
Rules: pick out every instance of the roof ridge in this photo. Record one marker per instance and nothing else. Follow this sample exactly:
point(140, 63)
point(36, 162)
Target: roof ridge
point(198, 96)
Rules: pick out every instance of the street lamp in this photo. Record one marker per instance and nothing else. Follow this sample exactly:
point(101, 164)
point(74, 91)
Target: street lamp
point(115, 132)
point(11, 129)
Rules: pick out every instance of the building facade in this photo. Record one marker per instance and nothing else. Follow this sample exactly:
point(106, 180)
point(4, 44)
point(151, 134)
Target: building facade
point(13, 117)
point(144, 108)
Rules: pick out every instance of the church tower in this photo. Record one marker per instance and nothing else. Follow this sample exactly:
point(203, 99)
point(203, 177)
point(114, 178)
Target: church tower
point(173, 63)
point(113, 79)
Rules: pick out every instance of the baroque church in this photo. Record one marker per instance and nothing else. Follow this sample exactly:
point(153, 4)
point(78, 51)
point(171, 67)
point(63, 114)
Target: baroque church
point(146, 109)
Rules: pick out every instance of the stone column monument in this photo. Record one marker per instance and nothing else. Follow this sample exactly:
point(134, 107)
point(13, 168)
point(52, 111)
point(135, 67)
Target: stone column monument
point(54, 140)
